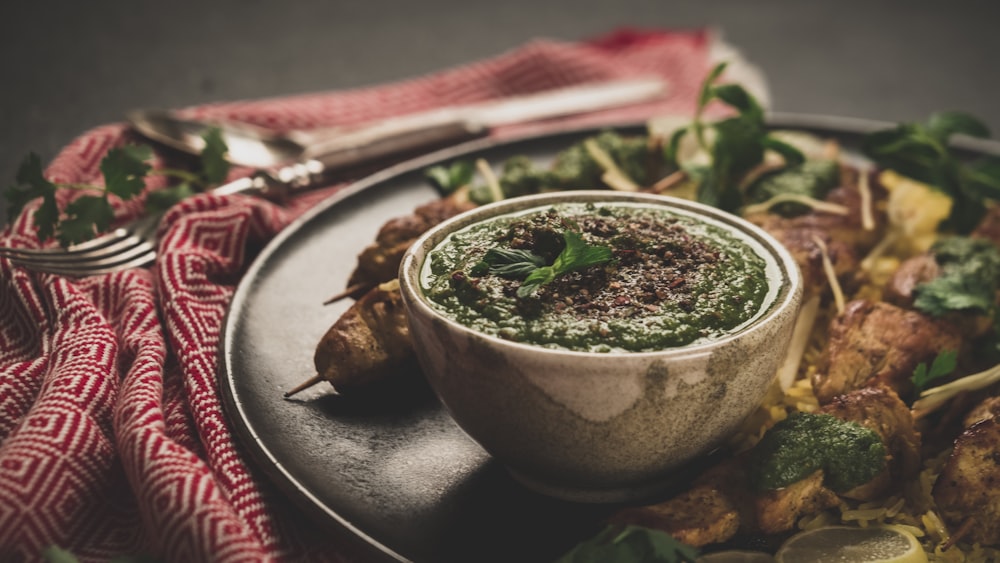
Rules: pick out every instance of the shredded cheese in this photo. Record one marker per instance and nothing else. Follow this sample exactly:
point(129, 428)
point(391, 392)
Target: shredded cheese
point(613, 175)
point(800, 340)
point(815, 204)
point(867, 214)
point(831, 275)
point(932, 399)
point(491, 179)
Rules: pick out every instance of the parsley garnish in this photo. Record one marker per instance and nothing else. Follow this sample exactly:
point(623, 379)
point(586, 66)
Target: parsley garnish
point(943, 364)
point(631, 544)
point(449, 178)
point(523, 264)
point(920, 151)
point(124, 170)
point(969, 278)
point(575, 256)
point(738, 146)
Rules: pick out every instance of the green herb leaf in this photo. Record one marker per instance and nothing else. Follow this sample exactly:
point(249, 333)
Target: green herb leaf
point(125, 170)
point(920, 151)
point(163, 199)
point(943, 364)
point(739, 143)
point(630, 544)
point(56, 554)
point(214, 166)
point(449, 178)
point(576, 255)
point(512, 263)
point(943, 125)
point(969, 278)
point(86, 216)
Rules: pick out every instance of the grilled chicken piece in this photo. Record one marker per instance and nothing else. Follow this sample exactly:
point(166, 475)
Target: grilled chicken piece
point(777, 511)
point(711, 511)
point(989, 226)
point(367, 344)
point(379, 261)
point(877, 342)
point(846, 240)
point(987, 408)
point(720, 502)
point(880, 409)
point(968, 490)
point(911, 273)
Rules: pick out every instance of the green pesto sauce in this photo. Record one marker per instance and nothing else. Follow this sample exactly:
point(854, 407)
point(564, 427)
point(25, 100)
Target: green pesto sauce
point(849, 454)
point(672, 280)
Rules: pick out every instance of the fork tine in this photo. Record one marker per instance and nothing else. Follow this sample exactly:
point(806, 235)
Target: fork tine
point(106, 244)
point(109, 238)
point(119, 247)
point(140, 257)
point(128, 246)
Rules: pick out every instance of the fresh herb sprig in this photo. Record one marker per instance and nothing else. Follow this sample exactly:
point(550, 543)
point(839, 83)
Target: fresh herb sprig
point(737, 146)
point(630, 544)
point(124, 170)
point(517, 263)
point(447, 179)
point(921, 151)
point(943, 365)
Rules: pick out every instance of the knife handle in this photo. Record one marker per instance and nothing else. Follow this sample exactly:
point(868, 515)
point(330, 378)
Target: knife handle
point(394, 138)
point(357, 153)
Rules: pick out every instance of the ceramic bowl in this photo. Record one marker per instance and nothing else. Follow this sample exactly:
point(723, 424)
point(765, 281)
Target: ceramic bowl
point(600, 427)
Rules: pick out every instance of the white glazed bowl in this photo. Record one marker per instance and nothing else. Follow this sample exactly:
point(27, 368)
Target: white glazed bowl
point(590, 426)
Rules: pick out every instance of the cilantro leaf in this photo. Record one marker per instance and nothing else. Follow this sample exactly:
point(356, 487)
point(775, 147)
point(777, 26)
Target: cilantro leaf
point(165, 198)
point(920, 151)
point(511, 262)
point(125, 169)
point(969, 278)
point(449, 178)
point(631, 544)
point(214, 166)
point(86, 216)
point(739, 144)
point(32, 184)
point(576, 255)
point(943, 364)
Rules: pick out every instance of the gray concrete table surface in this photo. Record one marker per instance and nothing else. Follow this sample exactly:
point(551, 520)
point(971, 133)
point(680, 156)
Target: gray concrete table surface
point(68, 66)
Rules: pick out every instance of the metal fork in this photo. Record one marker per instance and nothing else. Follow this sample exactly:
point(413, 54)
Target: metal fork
point(129, 246)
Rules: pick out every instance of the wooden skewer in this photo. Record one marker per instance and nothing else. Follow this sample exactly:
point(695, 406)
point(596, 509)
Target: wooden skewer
point(351, 290)
point(960, 533)
point(304, 385)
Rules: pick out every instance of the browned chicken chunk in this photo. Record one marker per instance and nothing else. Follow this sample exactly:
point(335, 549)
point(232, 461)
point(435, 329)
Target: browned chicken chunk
point(880, 409)
point(911, 273)
point(720, 502)
point(968, 490)
point(846, 240)
point(367, 344)
point(877, 342)
point(379, 261)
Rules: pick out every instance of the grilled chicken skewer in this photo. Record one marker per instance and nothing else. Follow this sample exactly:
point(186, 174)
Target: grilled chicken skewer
point(721, 502)
point(379, 261)
point(367, 344)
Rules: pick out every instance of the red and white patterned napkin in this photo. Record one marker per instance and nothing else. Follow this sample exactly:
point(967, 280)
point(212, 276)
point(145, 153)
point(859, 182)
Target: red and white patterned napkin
point(112, 436)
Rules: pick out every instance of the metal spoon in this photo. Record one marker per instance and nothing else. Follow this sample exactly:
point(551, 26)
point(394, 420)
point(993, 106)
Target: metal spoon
point(341, 147)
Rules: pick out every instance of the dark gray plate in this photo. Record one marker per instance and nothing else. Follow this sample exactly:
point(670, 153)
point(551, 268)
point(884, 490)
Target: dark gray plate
point(391, 470)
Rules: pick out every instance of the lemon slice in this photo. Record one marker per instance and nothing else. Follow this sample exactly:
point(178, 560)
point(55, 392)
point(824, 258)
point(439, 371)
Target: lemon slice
point(736, 556)
point(841, 544)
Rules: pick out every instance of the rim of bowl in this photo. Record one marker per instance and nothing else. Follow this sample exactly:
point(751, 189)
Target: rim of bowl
point(413, 296)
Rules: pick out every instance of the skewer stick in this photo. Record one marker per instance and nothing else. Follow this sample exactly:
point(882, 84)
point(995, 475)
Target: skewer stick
point(350, 290)
point(304, 385)
point(960, 533)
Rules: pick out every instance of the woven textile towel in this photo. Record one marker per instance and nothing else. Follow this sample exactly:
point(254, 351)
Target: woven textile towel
point(112, 436)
